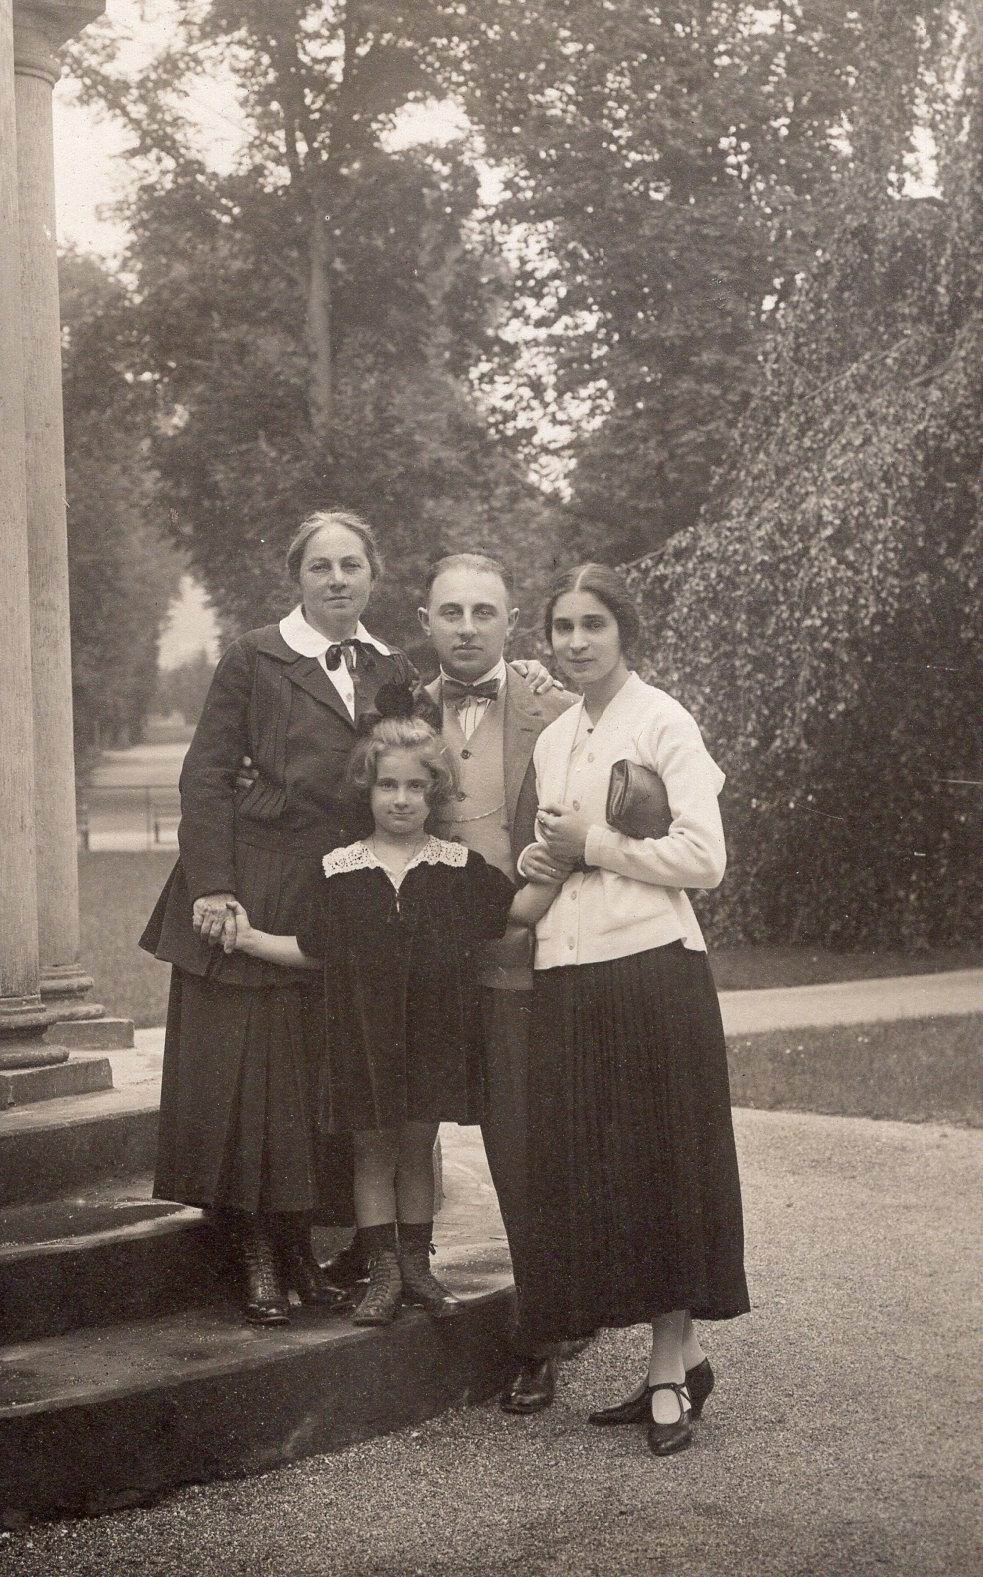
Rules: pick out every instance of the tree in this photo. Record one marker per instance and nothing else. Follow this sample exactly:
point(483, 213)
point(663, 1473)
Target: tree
point(308, 319)
point(825, 625)
point(184, 687)
point(673, 168)
point(122, 573)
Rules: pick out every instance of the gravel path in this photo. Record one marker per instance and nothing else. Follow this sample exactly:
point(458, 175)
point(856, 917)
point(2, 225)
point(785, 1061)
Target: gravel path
point(840, 1440)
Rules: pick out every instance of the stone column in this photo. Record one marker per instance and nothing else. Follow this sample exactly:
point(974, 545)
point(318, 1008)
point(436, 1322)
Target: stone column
point(21, 1012)
point(40, 28)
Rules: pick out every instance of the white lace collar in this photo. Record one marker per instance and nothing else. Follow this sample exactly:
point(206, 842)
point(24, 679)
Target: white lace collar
point(359, 857)
point(303, 639)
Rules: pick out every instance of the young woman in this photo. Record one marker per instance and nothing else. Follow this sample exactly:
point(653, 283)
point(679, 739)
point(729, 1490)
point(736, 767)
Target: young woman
point(396, 926)
point(636, 1204)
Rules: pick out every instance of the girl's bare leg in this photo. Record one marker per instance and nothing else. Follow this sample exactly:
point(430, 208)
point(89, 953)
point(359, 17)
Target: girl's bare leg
point(376, 1159)
point(414, 1172)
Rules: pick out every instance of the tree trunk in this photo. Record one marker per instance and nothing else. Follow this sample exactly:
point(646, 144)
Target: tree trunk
point(320, 378)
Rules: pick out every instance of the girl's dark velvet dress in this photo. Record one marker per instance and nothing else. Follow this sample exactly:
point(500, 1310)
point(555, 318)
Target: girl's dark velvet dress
point(402, 984)
point(245, 1039)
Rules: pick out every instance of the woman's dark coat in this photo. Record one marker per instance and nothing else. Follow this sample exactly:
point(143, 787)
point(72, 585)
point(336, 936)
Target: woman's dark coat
point(245, 1039)
point(262, 843)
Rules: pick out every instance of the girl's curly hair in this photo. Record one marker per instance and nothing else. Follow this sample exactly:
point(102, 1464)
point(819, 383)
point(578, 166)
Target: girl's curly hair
point(402, 733)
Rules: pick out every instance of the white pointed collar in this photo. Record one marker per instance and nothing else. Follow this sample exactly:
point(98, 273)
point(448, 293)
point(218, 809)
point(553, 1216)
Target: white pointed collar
point(303, 639)
point(499, 672)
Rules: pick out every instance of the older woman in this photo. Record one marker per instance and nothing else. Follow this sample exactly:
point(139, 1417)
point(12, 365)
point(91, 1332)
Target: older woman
point(635, 1195)
point(236, 1129)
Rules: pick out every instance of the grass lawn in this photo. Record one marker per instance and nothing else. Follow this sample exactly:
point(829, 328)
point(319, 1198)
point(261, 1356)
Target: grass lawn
point(746, 968)
point(916, 1070)
point(117, 893)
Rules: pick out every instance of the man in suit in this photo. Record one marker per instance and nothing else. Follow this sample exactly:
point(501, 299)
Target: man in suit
point(491, 720)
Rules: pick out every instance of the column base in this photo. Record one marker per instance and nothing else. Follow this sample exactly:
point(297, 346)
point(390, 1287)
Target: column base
point(21, 1018)
point(30, 1053)
point(65, 983)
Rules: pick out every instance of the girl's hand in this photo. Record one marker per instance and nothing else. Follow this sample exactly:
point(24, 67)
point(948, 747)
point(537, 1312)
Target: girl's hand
point(565, 832)
point(213, 918)
point(540, 865)
point(536, 676)
point(239, 932)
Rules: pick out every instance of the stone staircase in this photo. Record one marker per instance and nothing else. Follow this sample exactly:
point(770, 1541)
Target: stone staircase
point(125, 1366)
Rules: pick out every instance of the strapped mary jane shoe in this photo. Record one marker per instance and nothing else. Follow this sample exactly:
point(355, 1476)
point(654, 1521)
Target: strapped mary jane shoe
point(699, 1382)
point(633, 1410)
point(665, 1439)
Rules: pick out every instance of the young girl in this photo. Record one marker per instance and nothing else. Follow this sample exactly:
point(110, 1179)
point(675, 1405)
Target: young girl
point(396, 925)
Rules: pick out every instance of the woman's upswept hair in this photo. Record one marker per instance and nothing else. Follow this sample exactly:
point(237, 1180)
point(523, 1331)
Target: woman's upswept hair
point(609, 587)
point(333, 517)
point(402, 733)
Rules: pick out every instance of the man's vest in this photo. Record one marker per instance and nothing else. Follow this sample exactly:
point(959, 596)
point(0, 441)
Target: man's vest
point(479, 819)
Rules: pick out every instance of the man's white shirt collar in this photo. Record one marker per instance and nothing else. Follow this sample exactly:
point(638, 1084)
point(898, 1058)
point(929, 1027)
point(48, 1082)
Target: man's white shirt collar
point(498, 672)
point(303, 639)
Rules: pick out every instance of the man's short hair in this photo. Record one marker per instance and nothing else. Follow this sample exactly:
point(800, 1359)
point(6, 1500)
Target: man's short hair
point(484, 563)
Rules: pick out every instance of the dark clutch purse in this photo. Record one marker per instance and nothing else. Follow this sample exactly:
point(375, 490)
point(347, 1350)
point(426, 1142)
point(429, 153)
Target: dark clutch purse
point(638, 804)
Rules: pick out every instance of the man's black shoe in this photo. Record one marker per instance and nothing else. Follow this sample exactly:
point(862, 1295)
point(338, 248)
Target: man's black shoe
point(533, 1388)
point(348, 1267)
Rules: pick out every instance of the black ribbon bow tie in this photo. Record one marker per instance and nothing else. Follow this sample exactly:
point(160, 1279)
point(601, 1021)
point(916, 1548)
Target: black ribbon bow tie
point(346, 649)
point(456, 692)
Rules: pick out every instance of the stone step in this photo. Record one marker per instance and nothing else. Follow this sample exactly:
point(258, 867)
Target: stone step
point(75, 1076)
point(59, 1146)
point(107, 1254)
point(111, 1416)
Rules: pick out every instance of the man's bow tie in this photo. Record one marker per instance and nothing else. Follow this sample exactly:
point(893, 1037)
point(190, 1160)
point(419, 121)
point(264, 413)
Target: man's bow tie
point(346, 649)
point(456, 693)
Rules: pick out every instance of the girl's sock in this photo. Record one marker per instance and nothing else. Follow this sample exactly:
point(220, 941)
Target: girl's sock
point(414, 1233)
point(373, 1240)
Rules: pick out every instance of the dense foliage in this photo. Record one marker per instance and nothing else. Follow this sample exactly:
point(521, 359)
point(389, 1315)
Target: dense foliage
point(673, 167)
point(310, 317)
point(122, 572)
point(825, 624)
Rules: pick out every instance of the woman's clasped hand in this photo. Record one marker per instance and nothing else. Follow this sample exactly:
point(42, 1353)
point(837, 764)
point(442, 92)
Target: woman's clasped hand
point(213, 918)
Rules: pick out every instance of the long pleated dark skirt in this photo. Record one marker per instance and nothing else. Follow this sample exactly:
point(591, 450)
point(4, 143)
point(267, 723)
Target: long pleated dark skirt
point(634, 1194)
point(238, 1102)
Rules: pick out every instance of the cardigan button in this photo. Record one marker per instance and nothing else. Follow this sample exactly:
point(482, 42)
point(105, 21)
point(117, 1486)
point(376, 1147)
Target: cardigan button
point(461, 794)
point(465, 755)
point(576, 804)
point(590, 758)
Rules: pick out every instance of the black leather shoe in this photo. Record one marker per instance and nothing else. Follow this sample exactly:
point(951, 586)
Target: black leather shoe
point(634, 1410)
point(265, 1298)
point(302, 1272)
point(699, 1383)
point(533, 1388)
point(665, 1439)
point(348, 1267)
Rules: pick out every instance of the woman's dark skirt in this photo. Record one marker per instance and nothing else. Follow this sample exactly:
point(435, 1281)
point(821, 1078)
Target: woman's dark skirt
point(634, 1194)
point(238, 1102)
